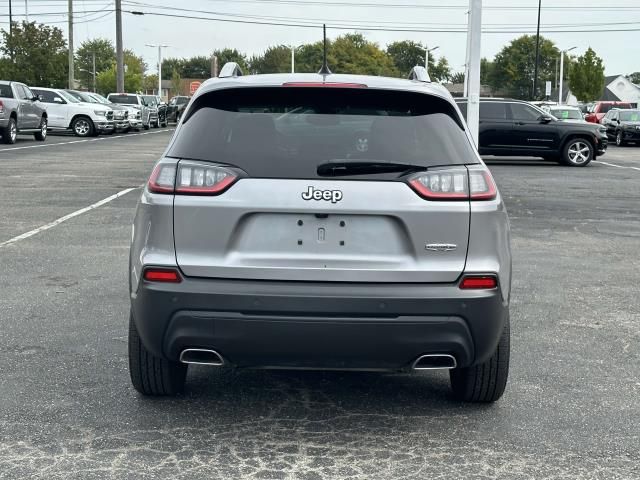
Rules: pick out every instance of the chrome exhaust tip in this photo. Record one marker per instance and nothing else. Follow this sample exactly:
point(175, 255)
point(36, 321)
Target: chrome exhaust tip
point(438, 361)
point(201, 356)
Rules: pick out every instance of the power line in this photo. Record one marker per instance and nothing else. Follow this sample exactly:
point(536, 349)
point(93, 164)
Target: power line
point(364, 28)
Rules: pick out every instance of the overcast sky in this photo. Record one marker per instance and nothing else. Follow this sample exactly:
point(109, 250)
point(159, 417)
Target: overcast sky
point(187, 37)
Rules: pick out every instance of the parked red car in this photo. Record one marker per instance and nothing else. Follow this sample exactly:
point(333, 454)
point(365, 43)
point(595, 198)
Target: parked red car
point(598, 110)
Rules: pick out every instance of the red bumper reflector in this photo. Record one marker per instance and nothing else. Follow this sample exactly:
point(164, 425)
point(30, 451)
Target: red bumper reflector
point(478, 283)
point(162, 275)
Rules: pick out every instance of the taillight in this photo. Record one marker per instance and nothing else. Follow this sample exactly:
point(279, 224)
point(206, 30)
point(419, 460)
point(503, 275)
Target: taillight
point(1, 107)
point(191, 178)
point(442, 184)
point(454, 184)
point(481, 185)
point(163, 275)
point(478, 282)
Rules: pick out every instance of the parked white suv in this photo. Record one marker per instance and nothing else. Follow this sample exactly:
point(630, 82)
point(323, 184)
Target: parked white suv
point(66, 112)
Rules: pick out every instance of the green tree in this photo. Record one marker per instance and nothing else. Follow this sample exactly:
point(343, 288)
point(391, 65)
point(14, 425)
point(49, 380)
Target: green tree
point(275, 59)
point(457, 78)
point(150, 83)
point(35, 54)
point(586, 78)
point(352, 53)
point(440, 71)
point(169, 65)
point(513, 67)
point(105, 56)
point(196, 67)
point(176, 82)
point(133, 75)
point(406, 54)
point(486, 71)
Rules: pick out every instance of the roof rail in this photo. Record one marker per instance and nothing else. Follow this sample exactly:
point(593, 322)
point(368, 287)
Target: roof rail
point(420, 74)
point(230, 69)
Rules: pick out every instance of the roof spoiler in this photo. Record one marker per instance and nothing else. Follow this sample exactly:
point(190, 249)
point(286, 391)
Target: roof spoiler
point(230, 70)
point(419, 74)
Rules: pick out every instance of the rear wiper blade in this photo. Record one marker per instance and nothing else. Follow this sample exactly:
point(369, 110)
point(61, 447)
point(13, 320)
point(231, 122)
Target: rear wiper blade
point(344, 168)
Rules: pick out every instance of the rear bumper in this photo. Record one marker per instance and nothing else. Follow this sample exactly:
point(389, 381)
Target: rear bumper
point(319, 325)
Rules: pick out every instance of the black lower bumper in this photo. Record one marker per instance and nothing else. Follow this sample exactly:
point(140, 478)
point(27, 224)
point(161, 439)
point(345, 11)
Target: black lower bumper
point(319, 325)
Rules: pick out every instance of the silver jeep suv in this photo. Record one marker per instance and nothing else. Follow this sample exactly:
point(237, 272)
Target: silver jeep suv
point(312, 221)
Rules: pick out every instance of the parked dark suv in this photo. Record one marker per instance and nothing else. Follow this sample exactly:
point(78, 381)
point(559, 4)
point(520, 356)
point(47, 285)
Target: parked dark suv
point(516, 128)
point(623, 126)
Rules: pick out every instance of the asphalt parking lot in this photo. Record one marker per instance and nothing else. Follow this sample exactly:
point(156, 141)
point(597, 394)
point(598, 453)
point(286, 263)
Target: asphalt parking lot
point(67, 409)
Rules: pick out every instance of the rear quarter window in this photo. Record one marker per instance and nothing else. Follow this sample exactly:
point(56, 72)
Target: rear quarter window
point(5, 91)
point(287, 132)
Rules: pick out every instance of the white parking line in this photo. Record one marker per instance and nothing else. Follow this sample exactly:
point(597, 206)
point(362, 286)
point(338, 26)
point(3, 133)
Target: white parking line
point(113, 137)
point(66, 217)
point(617, 166)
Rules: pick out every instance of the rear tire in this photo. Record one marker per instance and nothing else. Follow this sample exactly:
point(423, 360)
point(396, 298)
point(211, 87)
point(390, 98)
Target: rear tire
point(151, 375)
point(10, 132)
point(485, 382)
point(41, 136)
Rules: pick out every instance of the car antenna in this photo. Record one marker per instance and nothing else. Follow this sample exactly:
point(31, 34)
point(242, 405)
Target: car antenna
point(325, 67)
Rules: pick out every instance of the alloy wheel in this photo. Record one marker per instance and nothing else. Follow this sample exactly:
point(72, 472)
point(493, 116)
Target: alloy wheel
point(82, 127)
point(579, 153)
point(619, 139)
point(13, 132)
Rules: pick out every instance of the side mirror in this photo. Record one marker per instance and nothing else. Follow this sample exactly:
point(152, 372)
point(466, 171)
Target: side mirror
point(58, 100)
point(35, 98)
point(545, 118)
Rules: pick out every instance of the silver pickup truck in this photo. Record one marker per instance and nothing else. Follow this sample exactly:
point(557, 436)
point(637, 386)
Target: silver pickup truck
point(21, 112)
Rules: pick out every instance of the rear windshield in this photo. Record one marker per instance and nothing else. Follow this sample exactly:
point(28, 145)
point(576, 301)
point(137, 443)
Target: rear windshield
point(287, 132)
point(5, 91)
point(126, 99)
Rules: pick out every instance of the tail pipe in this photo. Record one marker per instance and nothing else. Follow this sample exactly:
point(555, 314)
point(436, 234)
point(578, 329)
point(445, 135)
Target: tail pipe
point(201, 356)
point(437, 361)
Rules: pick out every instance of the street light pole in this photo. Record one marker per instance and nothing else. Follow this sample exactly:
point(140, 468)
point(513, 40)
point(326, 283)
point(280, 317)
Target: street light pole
point(95, 88)
point(535, 70)
point(562, 54)
point(160, 47)
point(426, 56)
point(293, 59)
point(473, 84)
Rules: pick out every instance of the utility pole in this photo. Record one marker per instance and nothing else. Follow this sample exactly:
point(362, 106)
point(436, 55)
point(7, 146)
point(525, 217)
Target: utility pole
point(95, 89)
point(473, 84)
point(119, 51)
point(214, 66)
point(160, 47)
point(11, 27)
point(26, 10)
point(535, 70)
point(293, 59)
point(71, 66)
